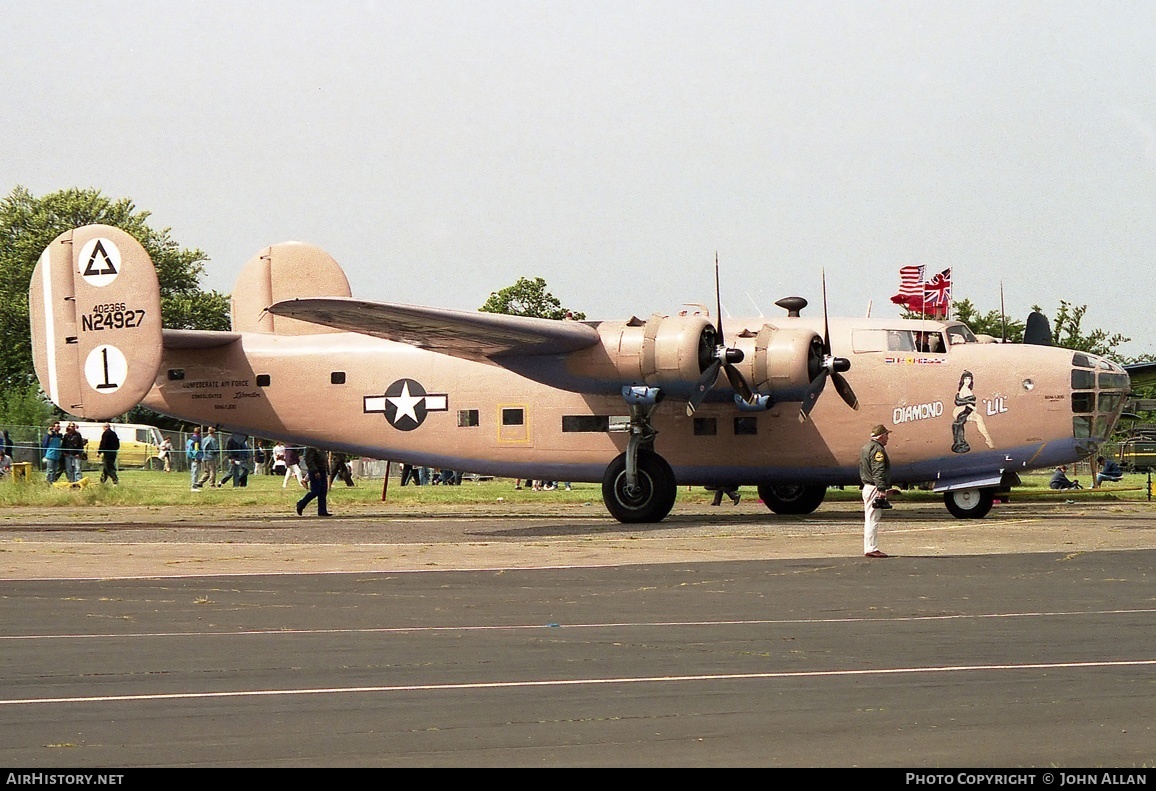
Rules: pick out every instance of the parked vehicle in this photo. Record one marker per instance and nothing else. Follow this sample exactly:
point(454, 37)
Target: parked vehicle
point(1138, 454)
point(139, 443)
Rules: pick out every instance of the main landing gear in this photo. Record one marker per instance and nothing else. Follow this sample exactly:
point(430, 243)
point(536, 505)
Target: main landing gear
point(792, 498)
point(969, 503)
point(639, 486)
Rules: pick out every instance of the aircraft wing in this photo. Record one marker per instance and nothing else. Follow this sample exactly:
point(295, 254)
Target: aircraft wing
point(1142, 374)
point(458, 333)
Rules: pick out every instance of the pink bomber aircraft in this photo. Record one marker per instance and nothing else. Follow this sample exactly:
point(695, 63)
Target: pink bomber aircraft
point(641, 405)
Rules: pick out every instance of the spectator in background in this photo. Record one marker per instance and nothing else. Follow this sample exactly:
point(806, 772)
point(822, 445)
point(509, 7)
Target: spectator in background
point(339, 464)
point(210, 459)
point(1109, 471)
point(237, 457)
point(1060, 480)
point(194, 454)
point(293, 467)
point(109, 446)
point(72, 448)
point(318, 468)
point(278, 467)
point(165, 452)
point(52, 451)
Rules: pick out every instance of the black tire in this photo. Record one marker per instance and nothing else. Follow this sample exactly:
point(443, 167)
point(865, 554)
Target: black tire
point(652, 498)
point(791, 498)
point(969, 503)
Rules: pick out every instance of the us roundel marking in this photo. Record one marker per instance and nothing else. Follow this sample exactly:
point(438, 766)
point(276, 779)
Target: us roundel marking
point(106, 369)
point(406, 404)
point(98, 262)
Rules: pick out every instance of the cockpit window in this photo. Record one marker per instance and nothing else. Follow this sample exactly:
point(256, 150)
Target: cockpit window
point(1081, 360)
point(959, 333)
point(1115, 381)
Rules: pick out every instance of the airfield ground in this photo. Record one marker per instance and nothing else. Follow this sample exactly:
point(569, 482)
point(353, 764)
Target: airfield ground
point(205, 539)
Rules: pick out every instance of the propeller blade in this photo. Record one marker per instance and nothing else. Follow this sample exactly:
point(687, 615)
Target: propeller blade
point(704, 383)
point(812, 395)
point(718, 305)
point(826, 330)
point(843, 388)
point(735, 376)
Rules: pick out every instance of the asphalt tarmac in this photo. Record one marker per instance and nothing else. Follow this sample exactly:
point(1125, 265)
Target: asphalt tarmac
point(722, 637)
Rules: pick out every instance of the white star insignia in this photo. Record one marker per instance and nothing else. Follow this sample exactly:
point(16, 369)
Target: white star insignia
point(405, 403)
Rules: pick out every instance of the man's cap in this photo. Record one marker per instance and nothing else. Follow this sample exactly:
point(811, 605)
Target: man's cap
point(880, 430)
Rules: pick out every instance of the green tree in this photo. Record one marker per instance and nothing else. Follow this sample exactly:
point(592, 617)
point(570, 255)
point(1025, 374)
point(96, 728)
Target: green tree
point(25, 405)
point(1068, 333)
point(991, 323)
point(528, 298)
point(1067, 328)
point(28, 224)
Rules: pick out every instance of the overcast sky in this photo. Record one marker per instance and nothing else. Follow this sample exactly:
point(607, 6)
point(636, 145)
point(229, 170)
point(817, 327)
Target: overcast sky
point(440, 150)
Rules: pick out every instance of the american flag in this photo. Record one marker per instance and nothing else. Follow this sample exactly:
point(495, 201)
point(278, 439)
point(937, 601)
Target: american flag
point(911, 281)
point(910, 288)
point(937, 294)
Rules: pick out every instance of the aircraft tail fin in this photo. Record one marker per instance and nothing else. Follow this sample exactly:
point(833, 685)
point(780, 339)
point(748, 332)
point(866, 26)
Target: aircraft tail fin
point(289, 270)
point(95, 313)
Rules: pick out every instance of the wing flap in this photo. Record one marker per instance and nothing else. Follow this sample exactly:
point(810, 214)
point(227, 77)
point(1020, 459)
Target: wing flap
point(458, 333)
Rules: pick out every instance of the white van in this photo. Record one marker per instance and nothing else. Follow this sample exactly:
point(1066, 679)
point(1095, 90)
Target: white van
point(139, 444)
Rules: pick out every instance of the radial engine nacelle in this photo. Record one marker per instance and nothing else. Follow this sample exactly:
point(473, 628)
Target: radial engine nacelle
point(673, 352)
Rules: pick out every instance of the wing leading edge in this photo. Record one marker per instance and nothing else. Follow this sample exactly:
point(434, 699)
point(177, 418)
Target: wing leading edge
point(457, 333)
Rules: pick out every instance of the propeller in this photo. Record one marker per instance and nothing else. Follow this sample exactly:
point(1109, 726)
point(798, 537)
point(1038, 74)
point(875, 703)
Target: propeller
point(829, 367)
point(712, 346)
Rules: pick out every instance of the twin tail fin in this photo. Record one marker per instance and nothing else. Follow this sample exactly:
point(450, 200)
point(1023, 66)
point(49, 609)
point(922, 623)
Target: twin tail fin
point(95, 309)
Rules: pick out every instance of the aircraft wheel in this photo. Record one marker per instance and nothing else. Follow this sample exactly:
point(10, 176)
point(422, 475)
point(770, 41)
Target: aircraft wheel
point(969, 503)
point(650, 500)
point(791, 498)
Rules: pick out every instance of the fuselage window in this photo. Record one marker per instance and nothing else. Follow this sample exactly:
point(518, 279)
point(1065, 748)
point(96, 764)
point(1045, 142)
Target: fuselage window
point(863, 341)
point(468, 418)
point(929, 342)
point(513, 416)
point(176, 374)
point(585, 423)
point(746, 425)
point(337, 377)
point(705, 426)
point(900, 341)
point(263, 380)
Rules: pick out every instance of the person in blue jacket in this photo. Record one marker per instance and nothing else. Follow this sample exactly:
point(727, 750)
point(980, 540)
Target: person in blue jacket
point(52, 452)
point(1109, 470)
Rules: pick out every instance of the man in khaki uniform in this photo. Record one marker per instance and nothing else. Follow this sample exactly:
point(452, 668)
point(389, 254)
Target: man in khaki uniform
point(875, 473)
